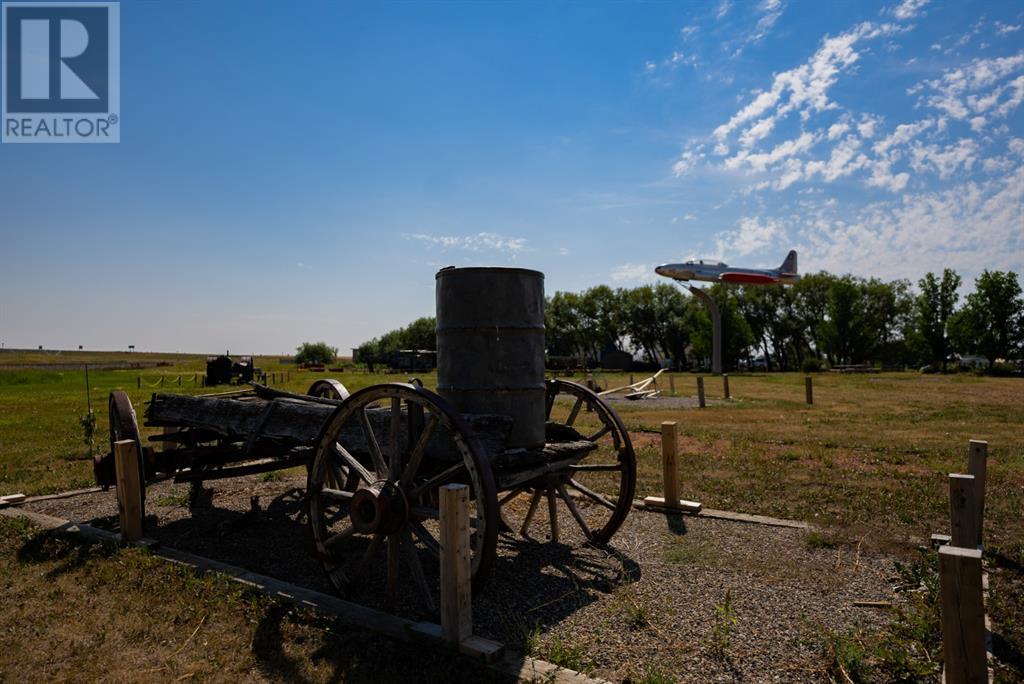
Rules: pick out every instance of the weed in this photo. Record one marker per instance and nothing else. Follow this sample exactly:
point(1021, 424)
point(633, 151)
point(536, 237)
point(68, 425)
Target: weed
point(570, 656)
point(652, 675)
point(725, 621)
point(817, 540)
point(178, 497)
point(272, 476)
point(88, 423)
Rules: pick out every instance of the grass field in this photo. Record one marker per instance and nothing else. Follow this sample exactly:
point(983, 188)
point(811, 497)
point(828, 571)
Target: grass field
point(869, 459)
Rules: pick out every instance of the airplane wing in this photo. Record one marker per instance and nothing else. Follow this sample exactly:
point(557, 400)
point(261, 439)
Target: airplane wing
point(747, 278)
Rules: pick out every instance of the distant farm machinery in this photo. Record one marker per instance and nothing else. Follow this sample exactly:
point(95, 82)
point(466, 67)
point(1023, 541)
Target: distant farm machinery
point(376, 458)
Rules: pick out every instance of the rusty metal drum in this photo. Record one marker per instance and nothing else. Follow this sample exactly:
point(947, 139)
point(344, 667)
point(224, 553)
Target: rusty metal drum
point(490, 346)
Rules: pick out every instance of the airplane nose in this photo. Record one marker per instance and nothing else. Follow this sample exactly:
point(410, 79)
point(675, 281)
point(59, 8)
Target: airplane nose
point(660, 270)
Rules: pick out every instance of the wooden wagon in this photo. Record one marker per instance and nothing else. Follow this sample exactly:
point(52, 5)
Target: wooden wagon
point(375, 460)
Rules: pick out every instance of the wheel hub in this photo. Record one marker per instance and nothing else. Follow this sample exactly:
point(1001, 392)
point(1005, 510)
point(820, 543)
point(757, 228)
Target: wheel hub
point(381, 508)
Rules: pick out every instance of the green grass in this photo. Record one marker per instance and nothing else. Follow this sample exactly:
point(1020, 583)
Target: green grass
point(868, 461)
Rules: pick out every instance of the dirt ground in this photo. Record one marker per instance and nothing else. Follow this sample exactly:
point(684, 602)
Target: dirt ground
point(686, 598)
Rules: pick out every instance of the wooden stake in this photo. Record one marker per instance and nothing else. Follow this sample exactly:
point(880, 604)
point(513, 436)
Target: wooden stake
point(672, 384)
point(631, 382)
point(977, 466)
point(809, 389)
point(963, 616)
point(669, 454)
point(700, 392)
point(456, 598)
point(129, 489)
point(725, 385)
point(670, 473)
point(138, 382)
point(963, 511)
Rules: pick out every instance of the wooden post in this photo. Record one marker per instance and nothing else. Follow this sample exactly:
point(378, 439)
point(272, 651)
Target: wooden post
point(963, 616)
point(456, 598)
point(669, 455)
point(963, 511)
point(809, 389)
point(138, 382)
point(672, 384)
point(700, 392)
point(162, 381)
point(129, 489)
point(631, 382)
point(977, 466)
point(725, 385)
point(179, 380)
point(670, 473)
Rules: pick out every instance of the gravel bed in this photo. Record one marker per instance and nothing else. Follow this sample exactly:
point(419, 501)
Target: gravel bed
point(660, 402)
point(653, 601)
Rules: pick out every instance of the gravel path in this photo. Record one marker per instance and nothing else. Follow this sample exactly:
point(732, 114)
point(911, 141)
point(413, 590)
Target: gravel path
point(652, 602)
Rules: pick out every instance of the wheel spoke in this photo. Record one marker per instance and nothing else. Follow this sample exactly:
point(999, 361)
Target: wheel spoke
point(537, 493)
point(600, 433)
point(412, 559)
point(595, 467)
point(418, 451)
point(424, 536)
point(571, 505)
point(371, 440)
point(511, 495)
point(336, 494)
point(552, 514)
point(438, 480)
point(394, 551)
point(336, 539)
point(395, 462)
point(593, 495)
point(352, 463)
point(575, 411)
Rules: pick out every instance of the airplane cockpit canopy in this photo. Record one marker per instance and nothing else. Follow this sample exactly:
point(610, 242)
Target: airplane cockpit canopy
point(706, 262)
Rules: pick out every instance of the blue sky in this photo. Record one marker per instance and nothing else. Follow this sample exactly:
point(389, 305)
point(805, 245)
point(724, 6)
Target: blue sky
point(293, 171)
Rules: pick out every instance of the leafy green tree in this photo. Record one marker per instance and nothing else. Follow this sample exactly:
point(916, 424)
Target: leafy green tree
point(736, 335)
point(991, 322)
point(933, 308)
point(315, 352)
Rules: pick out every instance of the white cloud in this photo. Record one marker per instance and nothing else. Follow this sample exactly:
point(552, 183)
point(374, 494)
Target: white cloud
point(474, 243)
point(868, 124)
point(903, 134)
point(1006, 29)
point(723, 8)
point(762, 161)
point(686, 161)
point(908, 9)
point(836, 130)
point(946, 160)
point(752, 234)
point(957, 91)
point(636, 274)
point(968, 227)
point(843, 161)
point(804, 89)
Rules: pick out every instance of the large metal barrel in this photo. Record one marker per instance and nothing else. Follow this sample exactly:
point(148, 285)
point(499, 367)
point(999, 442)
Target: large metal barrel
point(490, 346)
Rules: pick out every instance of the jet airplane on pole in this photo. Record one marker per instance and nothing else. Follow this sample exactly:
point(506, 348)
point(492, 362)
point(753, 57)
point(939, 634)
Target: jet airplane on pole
point(717, 272)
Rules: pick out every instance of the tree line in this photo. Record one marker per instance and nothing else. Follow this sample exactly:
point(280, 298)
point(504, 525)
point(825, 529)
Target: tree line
point(823, 320)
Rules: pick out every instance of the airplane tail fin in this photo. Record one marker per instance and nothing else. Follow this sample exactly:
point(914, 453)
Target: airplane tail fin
point(789, 265)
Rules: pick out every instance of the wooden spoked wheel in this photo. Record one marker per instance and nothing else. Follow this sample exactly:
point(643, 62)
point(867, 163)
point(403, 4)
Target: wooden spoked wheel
point(328, 388)
point(125, 425)
point(596, 491)
point(373, 494)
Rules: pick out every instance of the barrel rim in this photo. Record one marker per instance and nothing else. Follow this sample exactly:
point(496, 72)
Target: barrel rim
point(490, 269)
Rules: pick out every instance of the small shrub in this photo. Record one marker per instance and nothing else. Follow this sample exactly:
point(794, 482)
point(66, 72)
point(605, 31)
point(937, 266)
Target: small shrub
point(315, 352)
point(88, 423)
point(811, 365)
point(570, 656)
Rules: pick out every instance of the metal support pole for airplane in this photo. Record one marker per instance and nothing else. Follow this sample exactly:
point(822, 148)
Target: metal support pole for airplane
point(716, 328)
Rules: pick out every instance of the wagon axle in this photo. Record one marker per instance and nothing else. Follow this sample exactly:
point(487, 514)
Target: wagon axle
point(381, 508)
